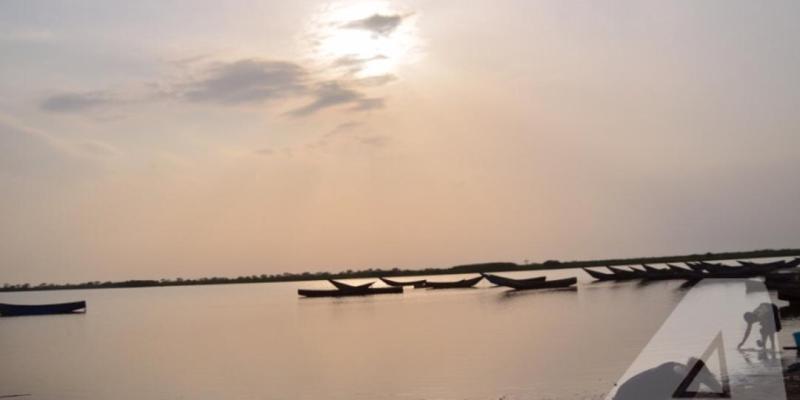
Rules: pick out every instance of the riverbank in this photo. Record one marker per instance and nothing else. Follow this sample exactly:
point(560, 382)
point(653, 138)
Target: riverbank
point(375, 273)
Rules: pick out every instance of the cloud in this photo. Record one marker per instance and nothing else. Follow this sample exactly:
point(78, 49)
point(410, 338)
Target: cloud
point(377, 80)
point(330, 94)
point(342, 128)
point(247, 81)
point(76, 102)
point(266, 151)
point(240, 82)
point(375, 140)
point(355, 62)
point(372, 103)
point(377, 24)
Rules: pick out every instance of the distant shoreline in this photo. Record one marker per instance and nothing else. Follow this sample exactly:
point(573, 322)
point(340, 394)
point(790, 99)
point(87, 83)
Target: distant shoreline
point(375, 273)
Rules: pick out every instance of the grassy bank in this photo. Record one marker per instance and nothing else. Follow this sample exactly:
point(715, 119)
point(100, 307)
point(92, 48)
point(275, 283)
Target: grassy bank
point(374, 273)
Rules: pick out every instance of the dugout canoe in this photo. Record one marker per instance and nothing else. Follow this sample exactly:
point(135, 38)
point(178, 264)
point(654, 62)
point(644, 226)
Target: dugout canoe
point(503, 281)
point(464, 283)
point(368, 291)
point(7, 310)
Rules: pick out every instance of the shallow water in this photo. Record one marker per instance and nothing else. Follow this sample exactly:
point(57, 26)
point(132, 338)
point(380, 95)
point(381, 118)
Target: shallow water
point(260, 341)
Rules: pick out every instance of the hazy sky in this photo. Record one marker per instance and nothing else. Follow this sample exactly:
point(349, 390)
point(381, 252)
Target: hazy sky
point(154, 139)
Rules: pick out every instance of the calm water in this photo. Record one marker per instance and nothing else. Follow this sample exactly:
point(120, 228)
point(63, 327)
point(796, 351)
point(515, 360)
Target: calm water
point(260, 341)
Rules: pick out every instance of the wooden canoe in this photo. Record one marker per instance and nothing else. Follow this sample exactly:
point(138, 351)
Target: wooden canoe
point(600, 276)
point(345, 286)
point(624, 274)
point(416, 284)
point(367, 291)
point(464, 283)
point(42, 309)
point(503, 281)
point(557, 283)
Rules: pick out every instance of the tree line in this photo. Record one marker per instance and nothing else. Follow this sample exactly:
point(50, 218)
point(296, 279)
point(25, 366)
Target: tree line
point(377, 272)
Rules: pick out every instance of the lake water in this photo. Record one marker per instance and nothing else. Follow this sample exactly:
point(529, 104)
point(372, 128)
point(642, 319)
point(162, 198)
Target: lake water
point(260, 341)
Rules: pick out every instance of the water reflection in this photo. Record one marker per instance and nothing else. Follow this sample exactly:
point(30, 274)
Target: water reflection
point(261, 341)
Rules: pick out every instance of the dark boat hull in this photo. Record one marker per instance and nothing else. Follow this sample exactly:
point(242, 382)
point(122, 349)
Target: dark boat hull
point(600, 276)
point(623, 275)
point(738, 273)
point(345, 286)
point(676, 268)
point(673, 272)
point(464, 283)
point(348, 292)
point(416, 284)
point(503, 281)
point(780, 264)
point(8, 310)
point(751, 271)
point(790, 293)
point(695, 266)
point(558, 283)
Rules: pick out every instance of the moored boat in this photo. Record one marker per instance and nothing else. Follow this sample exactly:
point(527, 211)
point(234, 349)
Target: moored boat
point(503, 281)
point(556, 283)
point(366, 291)
point(634, 269)
point(751, 271)
point(416, 284)
point(658, 274)
point(718, 267)
point(600, 276)
point(695, 266)
point(42, 309)
point(671, 272)
point(755, 264)
point(780, 264)
point(623, 274)
point(677, 268)
point(464, 283)
point(346, 286)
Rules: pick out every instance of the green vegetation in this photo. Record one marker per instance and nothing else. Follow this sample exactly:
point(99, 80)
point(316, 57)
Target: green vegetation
point(374, 273)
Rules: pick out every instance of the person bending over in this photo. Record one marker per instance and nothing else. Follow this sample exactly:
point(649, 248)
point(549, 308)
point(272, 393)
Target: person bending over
point(768, 317)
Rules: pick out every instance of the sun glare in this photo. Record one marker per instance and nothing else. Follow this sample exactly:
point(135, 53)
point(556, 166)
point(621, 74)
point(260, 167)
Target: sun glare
point(362, 40)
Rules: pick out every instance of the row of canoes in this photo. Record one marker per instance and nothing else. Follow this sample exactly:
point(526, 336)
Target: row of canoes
point(779, 275)
point(343, 289)
point(693, 271)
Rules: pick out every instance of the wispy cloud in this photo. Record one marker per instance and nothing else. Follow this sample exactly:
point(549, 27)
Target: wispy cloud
point(342, 128)
point(76, 102)
point(374, 140)
point(330, 94)
point(366, 104)
point(355, 62)
point(378, 24)
point(248, 80)
point(378, 80)
point(235, 83)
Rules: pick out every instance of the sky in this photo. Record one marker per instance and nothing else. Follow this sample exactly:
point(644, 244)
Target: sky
point(158, 139)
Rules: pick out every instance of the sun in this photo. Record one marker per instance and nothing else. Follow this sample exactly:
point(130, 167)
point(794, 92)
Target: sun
point(362, 39)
